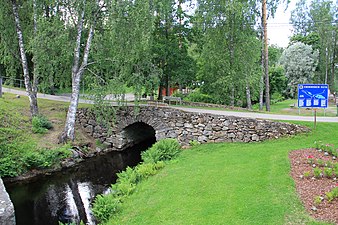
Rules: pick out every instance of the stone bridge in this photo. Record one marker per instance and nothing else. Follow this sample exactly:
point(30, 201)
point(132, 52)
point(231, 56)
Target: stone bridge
point(134, 126)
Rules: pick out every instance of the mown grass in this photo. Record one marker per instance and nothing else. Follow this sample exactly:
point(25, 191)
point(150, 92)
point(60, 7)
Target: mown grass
point(227, 183)
point(281, 108)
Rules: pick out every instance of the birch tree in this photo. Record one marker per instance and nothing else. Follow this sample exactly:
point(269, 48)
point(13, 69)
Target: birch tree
point(80, 63)
point(31, 86)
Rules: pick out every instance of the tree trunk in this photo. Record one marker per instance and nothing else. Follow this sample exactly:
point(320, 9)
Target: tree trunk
point(232, 96)
point(77, 72)
point(266, 59)
point(31, 92)
point(261, 83)
point(248, 95)
point(333, 63)
point(35, 74)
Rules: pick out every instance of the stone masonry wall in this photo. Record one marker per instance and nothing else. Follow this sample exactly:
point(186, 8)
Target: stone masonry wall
point(7, 216)
point(185, 126)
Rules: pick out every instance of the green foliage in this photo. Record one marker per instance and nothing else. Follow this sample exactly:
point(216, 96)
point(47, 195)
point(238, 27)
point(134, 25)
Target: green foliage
point(276, 97)
point(328, 172)
point(105, 206)
point(307, 174)
point(146, 170)
point(317, 200)
point(241, 174)
point(40, 124)
point(331, 195)
point(299, 61)
point(278, 83)
point(194, 143)
point(320, 162)
point(197, 96)
point(317, 172)
point(18, 156)
point(163, 150)
point(335, 169)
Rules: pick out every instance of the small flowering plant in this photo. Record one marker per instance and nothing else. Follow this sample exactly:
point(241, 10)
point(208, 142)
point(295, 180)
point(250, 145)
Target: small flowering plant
point(310, 159)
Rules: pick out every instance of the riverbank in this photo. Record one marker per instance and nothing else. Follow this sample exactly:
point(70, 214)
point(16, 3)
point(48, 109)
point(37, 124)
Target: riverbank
point(25, 154)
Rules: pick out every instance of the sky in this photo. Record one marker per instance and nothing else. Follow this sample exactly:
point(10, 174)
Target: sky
point(279, 28)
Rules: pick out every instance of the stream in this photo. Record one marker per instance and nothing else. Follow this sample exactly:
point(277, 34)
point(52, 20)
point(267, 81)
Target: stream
point(66, 196)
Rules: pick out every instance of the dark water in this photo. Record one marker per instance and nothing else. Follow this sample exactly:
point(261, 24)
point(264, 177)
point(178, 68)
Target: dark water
point(66, 196)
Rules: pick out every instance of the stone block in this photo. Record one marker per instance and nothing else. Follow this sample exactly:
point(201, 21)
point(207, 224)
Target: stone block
point(7, 215)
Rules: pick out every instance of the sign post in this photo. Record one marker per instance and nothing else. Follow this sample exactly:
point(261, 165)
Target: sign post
point(313, 96)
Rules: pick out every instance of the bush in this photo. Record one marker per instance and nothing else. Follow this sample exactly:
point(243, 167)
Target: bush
point(146, 170)
point(40, 124)
point(197, 96)
point(328, 172)
point(17, 158)
point(276, 97)
point(163, 150)
point(104, 206)
point(317, 172)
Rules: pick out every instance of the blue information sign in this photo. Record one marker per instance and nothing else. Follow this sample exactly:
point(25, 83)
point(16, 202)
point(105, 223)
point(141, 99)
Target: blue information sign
point(313, 95)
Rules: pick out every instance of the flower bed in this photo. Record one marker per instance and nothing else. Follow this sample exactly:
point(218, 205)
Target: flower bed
point(315, 172)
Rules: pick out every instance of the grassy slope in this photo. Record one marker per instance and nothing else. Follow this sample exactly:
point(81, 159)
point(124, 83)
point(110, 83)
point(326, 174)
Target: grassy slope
point(18, 144)
point(228, 183)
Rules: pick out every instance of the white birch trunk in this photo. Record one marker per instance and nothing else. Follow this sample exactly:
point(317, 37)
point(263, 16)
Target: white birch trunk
point(248, 95)
point(31, 93)
point(77, 72)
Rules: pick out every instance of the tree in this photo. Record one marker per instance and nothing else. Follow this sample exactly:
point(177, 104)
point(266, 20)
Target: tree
point(228, 65)
point(31, 87)
point(315, 25)
point(299, 62)
point(80, 62)
point(170, 45)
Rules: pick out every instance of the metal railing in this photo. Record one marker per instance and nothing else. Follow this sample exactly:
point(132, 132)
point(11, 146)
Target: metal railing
point(10, 81)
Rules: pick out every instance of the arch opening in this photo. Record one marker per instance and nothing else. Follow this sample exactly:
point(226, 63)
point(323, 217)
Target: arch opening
point(137, 133)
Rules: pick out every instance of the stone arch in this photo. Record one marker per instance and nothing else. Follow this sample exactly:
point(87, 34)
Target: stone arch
point(136, 133)
point(128, 126)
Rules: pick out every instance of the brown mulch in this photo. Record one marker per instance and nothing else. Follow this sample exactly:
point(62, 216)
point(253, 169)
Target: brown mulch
point(309, 188)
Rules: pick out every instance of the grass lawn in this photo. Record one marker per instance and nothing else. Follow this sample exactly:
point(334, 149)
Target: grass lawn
point(282, 108)
point(226, 183)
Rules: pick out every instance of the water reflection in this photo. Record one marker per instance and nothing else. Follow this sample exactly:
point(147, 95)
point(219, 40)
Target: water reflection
point(67, 196)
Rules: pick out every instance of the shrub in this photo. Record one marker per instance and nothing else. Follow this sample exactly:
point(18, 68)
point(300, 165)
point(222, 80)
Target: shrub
point(329, 196)
point(335, 168)
point(104, 206)
point(197, 96)
point(152, 155)
point(317, 172)
point(317, 200)
point(328, 172)
point(128, 175)
point(276, 97)
point(320, 162)
point(307, 174)
point(40, 124)
point(332, 194)
point(163, 150)
point(146, 170)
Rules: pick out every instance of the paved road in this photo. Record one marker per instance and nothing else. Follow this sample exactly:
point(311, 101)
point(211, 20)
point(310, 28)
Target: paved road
point(215, 112)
